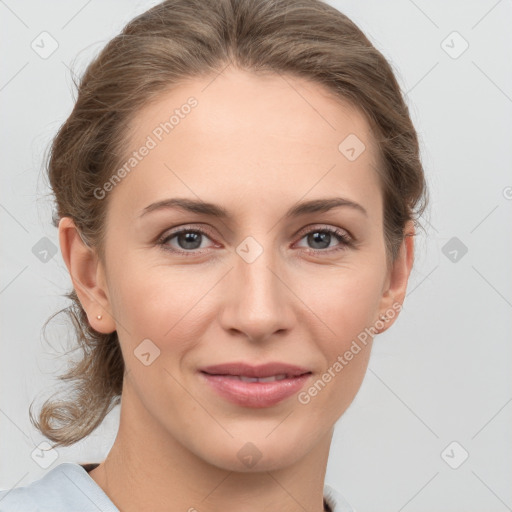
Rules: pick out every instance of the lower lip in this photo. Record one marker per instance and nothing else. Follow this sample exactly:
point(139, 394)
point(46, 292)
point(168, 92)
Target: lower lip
point(255, 394)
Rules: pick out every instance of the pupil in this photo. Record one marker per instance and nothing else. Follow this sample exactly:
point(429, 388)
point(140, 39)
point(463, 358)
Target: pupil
point(189, 240)
point(323, 238)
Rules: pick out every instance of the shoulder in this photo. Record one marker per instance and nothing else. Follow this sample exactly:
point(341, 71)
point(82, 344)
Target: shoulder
point(68, 487)
point(335, 500)
point(65, 488)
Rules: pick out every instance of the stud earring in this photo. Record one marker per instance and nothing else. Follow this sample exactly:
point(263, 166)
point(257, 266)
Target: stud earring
point(99, 317)
point(384, 318)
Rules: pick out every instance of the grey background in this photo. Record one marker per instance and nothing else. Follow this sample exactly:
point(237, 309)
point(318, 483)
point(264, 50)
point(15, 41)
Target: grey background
point(442, 374)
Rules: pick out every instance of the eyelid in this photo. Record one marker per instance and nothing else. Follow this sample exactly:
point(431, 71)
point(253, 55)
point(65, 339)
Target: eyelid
point(324, 227)
point(179, 229)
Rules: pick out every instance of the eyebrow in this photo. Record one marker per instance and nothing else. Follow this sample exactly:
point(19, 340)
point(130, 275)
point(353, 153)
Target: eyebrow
point(201, 207)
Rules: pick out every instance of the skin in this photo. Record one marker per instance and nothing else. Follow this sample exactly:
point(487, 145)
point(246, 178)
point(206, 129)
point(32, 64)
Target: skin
point(255, 145)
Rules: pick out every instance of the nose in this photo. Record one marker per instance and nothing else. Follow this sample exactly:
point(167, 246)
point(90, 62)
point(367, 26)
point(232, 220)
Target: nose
point(258, 299)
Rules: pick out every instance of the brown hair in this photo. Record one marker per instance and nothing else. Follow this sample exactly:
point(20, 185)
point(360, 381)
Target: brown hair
point(181, 39)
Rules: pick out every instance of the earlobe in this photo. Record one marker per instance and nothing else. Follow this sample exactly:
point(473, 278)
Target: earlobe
point(85, 271)
point(397, 279)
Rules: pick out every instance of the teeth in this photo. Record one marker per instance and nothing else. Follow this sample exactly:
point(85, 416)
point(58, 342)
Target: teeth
point(262, 379)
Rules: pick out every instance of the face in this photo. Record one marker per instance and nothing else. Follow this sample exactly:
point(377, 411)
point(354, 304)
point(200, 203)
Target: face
point(266, 281)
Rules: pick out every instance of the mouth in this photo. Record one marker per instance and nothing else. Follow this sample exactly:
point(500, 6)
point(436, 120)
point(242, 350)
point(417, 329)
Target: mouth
point(255, 386)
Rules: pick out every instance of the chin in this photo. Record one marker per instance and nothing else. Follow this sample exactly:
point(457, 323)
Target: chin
point(253, 451)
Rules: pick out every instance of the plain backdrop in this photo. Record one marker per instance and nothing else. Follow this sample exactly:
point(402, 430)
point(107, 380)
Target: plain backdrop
point(431, 426)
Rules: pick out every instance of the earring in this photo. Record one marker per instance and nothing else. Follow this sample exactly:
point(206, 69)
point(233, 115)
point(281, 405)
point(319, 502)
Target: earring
point(384, 318)
point(99, 317)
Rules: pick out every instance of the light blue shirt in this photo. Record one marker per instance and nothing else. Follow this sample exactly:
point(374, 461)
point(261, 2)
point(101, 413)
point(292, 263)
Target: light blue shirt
point(69, 488)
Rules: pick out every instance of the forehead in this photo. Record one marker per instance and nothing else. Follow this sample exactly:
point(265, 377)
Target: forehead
point(263, 137)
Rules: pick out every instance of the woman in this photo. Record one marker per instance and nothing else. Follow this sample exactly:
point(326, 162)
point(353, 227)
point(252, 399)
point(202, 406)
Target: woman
point(236, 188)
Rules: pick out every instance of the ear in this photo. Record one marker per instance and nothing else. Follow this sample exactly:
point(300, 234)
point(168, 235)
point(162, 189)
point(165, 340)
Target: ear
point(87, 275)
point(393, 293)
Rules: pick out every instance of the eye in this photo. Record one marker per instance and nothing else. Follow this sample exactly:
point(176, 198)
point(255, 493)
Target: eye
point(186, 241)
point(321, 238)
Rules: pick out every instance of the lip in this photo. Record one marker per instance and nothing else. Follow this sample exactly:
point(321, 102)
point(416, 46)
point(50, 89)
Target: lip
point(222, 379)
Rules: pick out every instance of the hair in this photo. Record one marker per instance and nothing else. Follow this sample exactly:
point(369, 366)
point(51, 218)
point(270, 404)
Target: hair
point(178, 40)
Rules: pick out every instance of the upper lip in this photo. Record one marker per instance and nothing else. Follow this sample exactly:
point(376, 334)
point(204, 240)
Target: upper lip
point(261, 371)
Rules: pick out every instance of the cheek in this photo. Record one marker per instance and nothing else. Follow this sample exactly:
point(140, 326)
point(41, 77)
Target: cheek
point(160, 303)
point(345, 301)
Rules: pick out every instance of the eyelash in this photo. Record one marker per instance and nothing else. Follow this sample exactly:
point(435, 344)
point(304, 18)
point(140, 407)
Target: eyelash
point(343, 237)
